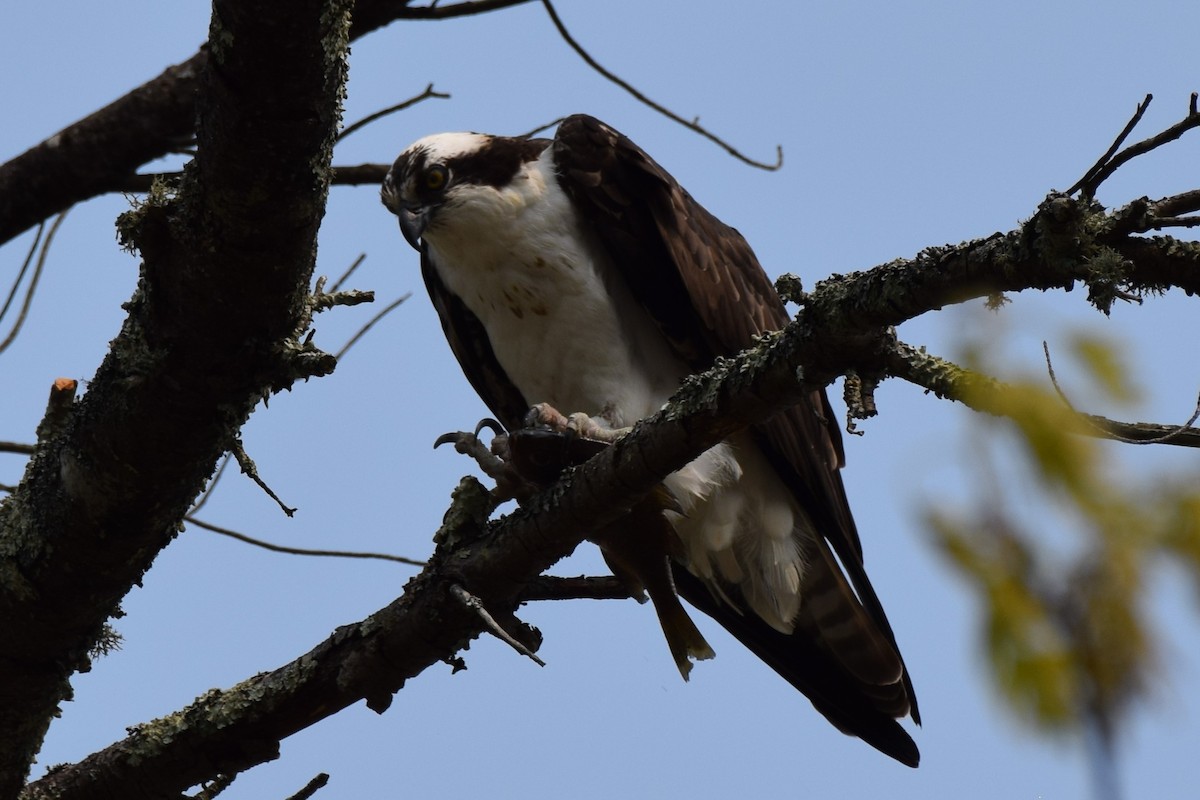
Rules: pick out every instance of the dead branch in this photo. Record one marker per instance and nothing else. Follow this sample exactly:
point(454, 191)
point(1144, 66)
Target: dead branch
point(25, 264)
point(250, 470)
point(383, 312)
point(692, 125)
point(475, 604)
point(1138, 433)
point(984, 393)
point(31, 289)
point(409, 103)
point(345, 276)
point(99, 153)
point(299, 551)
point(1111, 161)
point(311, 787)
point(390, 10)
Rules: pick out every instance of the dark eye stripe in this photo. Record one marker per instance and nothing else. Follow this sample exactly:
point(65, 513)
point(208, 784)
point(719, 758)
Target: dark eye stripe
point(497, 163)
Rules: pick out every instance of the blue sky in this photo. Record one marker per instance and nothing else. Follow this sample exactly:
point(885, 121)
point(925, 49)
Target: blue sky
point(903, 125)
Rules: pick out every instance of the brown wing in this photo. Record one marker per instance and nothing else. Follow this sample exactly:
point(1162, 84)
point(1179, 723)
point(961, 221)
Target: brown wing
point(669, 248)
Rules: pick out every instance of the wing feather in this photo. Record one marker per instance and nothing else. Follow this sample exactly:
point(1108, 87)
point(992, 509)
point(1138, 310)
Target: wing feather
point(668, 247)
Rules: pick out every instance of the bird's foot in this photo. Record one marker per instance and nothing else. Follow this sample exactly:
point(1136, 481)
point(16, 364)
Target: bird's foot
point(493, 459)
point(530, 458)
point(594, 428)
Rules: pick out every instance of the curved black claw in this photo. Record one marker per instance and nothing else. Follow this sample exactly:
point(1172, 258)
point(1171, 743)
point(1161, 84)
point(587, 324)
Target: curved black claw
point(462, 439)
point(491, 424)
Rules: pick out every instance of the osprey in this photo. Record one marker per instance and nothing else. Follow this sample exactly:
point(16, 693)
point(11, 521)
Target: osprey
point(576, 272)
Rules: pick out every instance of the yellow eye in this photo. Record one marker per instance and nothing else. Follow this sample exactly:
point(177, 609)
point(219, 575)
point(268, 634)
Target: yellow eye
point(435, 178)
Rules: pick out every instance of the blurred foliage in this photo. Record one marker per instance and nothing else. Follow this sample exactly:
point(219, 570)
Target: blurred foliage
point(1067, 635)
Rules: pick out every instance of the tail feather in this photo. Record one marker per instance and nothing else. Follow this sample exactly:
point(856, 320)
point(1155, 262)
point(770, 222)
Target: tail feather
point(834, 613)
point(850, 705)
point(636, 549)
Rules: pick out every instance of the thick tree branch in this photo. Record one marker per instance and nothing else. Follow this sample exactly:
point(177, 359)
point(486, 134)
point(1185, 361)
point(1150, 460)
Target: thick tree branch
point(90, 157)
point(101, 152)
point(553, 587)
point(1067, 242)
point(212, 328)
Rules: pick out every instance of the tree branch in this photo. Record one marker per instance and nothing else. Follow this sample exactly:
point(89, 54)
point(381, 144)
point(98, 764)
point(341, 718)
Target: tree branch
point(692, 125)
point(298, 551)
point(427, 94)
point(988, 395)
point(380, 12)
point(552, 587)
point(1111, 161)
point(110, 489)
point(101, 152)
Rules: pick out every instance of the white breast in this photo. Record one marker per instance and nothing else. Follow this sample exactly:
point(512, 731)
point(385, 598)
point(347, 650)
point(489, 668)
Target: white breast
point(561, 322)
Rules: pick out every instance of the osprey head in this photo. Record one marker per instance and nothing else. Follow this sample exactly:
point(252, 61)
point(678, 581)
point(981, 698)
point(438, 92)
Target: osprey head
point(451, 170)
point(423, 177)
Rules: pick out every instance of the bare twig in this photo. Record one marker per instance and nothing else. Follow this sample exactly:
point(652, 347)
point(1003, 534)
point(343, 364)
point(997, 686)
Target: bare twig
point(982, 393)
point(349, 271)
point(1110, 163)
point(390, 307)
point(33, 282)
point(299, 551)
point(1054, 378)
point(311, 787)
point(692, 125)
point(19, 448)
point(212, 485)
point(251, 471)
point(540, 128)
point(433, 11)
point(12, 294)
point(412, 101)
point(475, 604)
point(1103, 160)
point(1108, 429)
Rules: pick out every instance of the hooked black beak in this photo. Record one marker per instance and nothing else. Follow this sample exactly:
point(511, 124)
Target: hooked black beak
point(412, 224)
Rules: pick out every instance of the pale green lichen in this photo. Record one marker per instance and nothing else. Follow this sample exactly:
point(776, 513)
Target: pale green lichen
point(466, 519)
point(726, 376)
point(217, 709)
